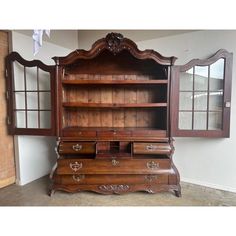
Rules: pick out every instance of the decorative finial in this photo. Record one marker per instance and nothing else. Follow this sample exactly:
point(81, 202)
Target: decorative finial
point(114, 41)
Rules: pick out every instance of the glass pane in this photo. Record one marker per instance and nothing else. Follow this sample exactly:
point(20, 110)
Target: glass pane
point(20, 119)
point(20, 100)
point(186, 80)
point(201, 78)
point(18, 71)
point(215, 120)
point(32, 100)
point(32, 119)
point(185, 100)
point(44, 80)
point(45, 100)
point(185, 120)
point(31, 78)
point(215, 101)
point(45, 119)
point(200, 120)
point(217, 75)
point(200, 101)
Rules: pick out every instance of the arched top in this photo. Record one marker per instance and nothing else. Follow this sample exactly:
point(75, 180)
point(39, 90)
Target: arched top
point(222, 53)
point(15, 56)
point(115, 43)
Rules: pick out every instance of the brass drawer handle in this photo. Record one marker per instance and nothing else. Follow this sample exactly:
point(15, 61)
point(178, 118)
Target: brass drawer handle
point(76, 166)
point(150, 178)
point(78, 178)
point(77, 147)
point(152, 165)
point(151, 147)
point(115, 162)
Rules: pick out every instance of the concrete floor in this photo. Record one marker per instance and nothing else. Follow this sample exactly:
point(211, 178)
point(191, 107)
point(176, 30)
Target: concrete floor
point(35, 194)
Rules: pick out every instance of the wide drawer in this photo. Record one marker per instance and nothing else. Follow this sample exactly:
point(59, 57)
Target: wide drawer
point(134, 166)
point(111, 179)
point(151, 148)
point(77, 147)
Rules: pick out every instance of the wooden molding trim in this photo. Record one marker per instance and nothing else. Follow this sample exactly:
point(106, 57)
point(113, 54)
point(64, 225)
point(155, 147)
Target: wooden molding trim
point(15, 56)
point(222, 53)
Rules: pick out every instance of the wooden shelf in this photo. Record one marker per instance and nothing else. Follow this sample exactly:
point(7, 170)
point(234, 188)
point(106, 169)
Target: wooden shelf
point(112, 105)
point(111, 82)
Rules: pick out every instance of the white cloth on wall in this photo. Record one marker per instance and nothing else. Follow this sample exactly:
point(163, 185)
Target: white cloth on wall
point(38, 39)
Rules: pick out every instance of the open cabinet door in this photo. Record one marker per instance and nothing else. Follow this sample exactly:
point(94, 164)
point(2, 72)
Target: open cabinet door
point(201, 97)
point(31, 97)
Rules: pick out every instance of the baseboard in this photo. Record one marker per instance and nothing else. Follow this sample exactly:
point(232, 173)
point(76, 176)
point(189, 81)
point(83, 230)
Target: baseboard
point(209, 185)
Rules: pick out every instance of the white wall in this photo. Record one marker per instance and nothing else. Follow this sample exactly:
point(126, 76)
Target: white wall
point(35, 156)
point(205, 161)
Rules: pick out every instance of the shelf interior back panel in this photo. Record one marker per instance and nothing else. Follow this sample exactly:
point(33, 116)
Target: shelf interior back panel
point(121, 118)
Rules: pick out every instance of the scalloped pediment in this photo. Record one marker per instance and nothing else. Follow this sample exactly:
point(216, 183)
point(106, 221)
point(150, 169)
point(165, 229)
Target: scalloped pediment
point(115, 43)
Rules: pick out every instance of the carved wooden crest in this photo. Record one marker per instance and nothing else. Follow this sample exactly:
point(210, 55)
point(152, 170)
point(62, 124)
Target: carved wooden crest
point(114, 42)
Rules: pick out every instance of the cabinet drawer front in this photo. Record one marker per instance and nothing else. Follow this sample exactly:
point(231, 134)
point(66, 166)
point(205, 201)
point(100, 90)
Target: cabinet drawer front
point(149, 133)
point(111, 179)
point(151, 148)
point(77, 147)
point(90, 166)
point(113, 133)
point(79, 133)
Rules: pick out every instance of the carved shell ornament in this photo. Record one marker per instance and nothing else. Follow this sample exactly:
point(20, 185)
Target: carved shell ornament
point(114, 41)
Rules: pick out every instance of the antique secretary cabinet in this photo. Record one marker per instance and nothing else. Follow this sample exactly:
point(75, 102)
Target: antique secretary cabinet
point(114, 110)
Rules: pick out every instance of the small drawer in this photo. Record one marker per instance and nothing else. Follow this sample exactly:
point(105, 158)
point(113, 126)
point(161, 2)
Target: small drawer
point(151, 148)
point(149, 133)
point(111, 179)
point(113, 134)
point(88, 166)
point(113, 156)
point(77, 148)
point(79, 133)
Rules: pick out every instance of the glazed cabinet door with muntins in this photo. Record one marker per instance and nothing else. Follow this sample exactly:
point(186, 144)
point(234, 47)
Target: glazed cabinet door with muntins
point(31, 96)
point(201, 97)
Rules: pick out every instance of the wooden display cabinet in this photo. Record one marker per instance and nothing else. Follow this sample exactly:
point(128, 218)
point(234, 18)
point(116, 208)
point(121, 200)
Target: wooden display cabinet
point(114, 110)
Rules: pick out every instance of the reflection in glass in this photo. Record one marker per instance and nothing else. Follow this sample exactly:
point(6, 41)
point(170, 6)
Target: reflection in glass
point(45, 119)
point(32, 100)
point(186, 80)
point(201, 78)
point(45, 100)
point(185, 120)
point(200, 120)
point(215, 120)
point(185, 100)
point(18, 71)
point(215, 101)
point(44, 80)
point(20, 119)
point(20, 100)
point(31, 78)
point(32, 119)
point(217, 75)
point(200, 101)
